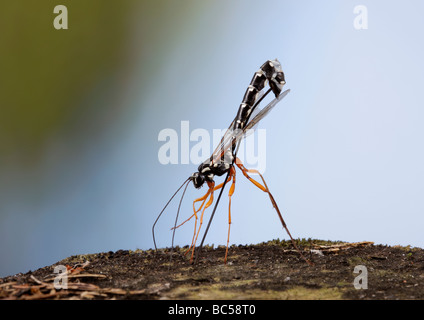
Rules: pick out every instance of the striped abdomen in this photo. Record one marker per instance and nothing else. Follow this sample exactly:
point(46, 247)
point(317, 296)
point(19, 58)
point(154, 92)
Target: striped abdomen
point(270, 71)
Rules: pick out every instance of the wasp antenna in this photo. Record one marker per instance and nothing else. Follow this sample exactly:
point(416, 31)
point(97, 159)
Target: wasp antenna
point(160, 214)
point(176, 218)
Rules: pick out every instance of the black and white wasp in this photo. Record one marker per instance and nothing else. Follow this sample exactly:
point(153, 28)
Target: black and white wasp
point(224, 159)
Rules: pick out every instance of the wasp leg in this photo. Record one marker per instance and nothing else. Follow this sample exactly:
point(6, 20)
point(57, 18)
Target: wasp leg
point(210, 192)
point(230, 194)
point(194, 215)
point(212, 189)
point(204, 198)
point(194, 209)
point(264, 188)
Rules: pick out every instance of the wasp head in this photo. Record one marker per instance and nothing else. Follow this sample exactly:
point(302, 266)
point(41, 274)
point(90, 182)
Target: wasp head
point(198, 179)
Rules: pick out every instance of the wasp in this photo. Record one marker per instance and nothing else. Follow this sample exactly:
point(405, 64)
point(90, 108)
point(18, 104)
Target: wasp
point(224, 159)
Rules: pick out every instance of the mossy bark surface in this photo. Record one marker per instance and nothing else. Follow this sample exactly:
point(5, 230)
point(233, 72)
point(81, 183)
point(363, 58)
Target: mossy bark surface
point(272, 270)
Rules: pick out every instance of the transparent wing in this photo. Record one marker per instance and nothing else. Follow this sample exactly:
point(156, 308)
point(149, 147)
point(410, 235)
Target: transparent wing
point(220, 149)
point(232, 137)
point(265, 111)
point(228, 135)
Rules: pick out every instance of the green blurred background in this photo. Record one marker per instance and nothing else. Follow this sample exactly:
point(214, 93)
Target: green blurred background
point(48, 76)
point(64, 103)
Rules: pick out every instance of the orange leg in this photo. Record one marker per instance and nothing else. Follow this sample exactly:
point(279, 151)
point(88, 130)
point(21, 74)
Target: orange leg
point(194, 215)
point(193, 244)
point(203, 206)
point(264, 188)
point(194, 209)
point(204, 198)
point(230, 194)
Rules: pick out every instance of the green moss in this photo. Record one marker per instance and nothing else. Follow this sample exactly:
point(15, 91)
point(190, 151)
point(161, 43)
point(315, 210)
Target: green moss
point(354, 261)
point(232, 292)
point(302, 242)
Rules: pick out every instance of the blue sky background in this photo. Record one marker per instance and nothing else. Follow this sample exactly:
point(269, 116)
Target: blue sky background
point(344, 148)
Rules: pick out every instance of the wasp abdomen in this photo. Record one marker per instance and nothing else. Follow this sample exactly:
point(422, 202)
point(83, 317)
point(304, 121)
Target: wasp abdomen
point(270, 71)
